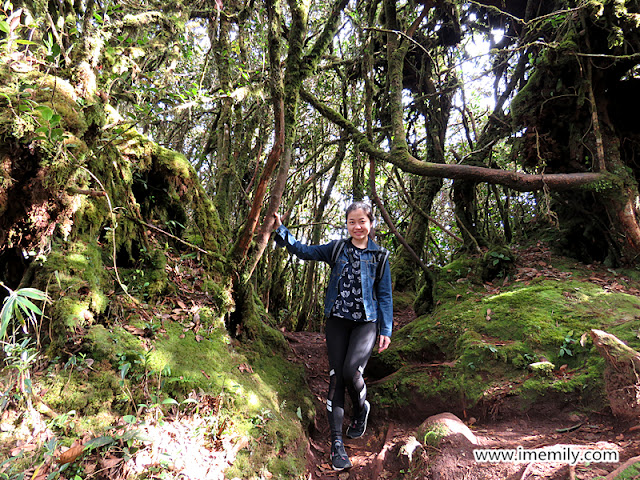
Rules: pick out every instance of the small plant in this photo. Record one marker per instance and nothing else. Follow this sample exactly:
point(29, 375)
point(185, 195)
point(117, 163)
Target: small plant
point(261, 419)
point(63, 423)
point(18, 306)
point(566, 347)
point(499, 257)
point(21, 356)
point(49, 129)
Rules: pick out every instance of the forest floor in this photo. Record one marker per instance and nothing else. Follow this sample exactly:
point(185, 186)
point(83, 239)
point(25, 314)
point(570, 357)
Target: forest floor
point(381, 453)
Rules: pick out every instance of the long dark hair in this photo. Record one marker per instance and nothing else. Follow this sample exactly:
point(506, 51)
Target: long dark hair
point(368, 210)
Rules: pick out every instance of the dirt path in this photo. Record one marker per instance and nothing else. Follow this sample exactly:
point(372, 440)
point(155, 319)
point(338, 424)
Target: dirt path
point(378, 454)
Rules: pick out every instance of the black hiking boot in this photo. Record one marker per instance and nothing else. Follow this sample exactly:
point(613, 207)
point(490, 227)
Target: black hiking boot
point(339, 458)
point(359, 424)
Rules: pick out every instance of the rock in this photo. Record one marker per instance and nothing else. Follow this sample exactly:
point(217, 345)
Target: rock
point(455, 444)
point(444, 426)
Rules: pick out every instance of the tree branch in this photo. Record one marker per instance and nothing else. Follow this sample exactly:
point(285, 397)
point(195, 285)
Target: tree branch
point(521, 182)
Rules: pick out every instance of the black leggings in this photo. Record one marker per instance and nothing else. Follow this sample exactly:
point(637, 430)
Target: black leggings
point(349, 346)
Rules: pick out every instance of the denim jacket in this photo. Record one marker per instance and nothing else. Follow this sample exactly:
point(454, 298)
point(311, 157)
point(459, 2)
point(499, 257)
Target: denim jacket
point(378, 301)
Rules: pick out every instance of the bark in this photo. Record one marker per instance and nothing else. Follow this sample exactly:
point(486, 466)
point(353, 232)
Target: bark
point(621, 374)
point(241, 248)
point(298, 67)
point(219, 36)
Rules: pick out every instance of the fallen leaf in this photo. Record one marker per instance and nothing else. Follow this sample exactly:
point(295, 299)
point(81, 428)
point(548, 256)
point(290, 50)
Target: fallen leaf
point(110, 462)
point(134, 330)
point(24, 448)
point(70, 455)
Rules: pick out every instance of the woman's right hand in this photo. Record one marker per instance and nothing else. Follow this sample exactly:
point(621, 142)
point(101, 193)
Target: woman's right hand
point(277, 220)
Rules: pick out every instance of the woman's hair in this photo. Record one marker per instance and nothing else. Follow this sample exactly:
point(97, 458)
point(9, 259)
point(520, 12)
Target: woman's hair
point(367, 209)
point(360, 205)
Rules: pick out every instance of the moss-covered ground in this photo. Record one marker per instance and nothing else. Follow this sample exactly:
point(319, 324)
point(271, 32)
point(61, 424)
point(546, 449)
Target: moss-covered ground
point(478, 345)
point(149, 368)
point(170, 374)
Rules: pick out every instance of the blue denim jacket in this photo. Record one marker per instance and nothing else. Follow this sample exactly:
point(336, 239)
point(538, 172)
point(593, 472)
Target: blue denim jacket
point(378, 301)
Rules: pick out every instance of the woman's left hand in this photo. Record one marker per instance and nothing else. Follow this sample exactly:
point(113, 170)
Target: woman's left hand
point(384, 343)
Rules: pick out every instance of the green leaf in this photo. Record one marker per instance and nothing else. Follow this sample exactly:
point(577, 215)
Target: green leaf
point(131, 419)
point(99, 442)
point(169, 401)
point(57, 134)
point(33, 293)
point(28, 306)
point(26, 42)
point(4, 26)
point(45, 111)
point(124, 369)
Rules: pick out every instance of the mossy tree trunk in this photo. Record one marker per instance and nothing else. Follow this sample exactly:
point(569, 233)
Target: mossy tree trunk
point(434, 102)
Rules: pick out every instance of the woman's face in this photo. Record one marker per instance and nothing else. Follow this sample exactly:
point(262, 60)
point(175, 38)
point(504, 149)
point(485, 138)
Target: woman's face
point(358, 224)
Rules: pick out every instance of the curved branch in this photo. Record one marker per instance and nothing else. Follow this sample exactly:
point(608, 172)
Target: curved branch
point(521, 182)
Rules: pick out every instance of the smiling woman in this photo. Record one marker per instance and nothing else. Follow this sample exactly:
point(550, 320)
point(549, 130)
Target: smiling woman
point(359, 223)
point(358, 307)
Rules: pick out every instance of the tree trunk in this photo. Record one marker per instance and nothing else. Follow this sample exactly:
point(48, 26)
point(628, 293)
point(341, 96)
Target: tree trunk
point(310, 283)
point(621, 374)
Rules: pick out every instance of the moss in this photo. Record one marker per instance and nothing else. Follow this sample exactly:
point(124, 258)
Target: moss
point(110, 344)
point(433, 435)
point(74, 274)
point(86, 392)
point(482, 342)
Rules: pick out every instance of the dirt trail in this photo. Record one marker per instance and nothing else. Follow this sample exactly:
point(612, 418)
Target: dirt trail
point(377, 454)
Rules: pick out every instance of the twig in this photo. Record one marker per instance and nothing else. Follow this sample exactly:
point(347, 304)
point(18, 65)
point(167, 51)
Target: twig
point(169, 235)
point(58, 39)
point(91, 193)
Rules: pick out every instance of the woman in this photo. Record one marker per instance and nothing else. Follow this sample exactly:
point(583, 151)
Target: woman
point(358, 305)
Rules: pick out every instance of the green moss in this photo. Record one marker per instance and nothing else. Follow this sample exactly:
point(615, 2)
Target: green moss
point(75, 275)
point(110, 344)
point(483, 342)
point(433, 435)
point(88, 393)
